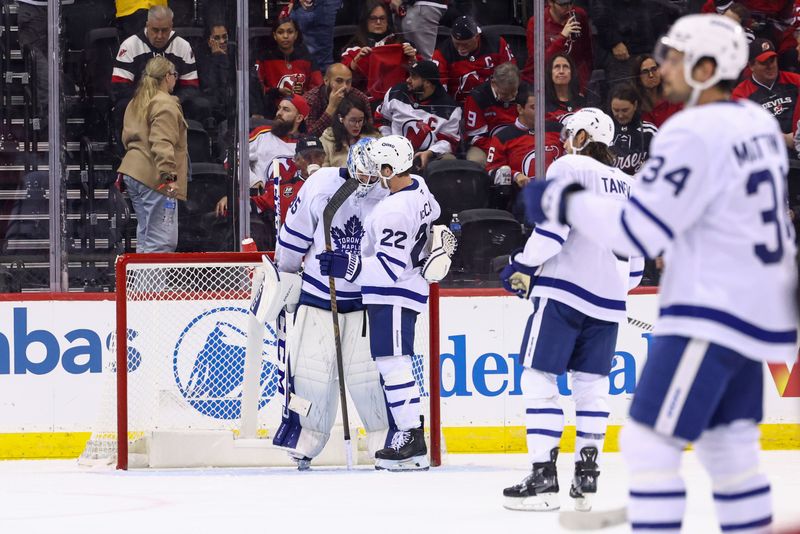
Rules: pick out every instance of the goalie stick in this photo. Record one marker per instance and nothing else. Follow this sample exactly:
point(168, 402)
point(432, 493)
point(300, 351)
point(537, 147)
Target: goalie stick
point(335, 202)
point(280, 322)
point(574, 520)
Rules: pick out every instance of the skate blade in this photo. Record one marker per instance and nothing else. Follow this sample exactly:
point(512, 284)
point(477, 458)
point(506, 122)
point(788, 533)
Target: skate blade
point(536, 503)
point(582, 504)
point(417, 463)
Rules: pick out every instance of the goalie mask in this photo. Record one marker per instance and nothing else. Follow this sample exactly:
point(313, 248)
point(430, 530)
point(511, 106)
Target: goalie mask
point(361, 167)
point(392, 155)
point(598, 126)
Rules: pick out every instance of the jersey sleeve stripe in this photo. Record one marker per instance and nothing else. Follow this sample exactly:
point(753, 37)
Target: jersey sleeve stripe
point(394, 292)
point(632, 237)
point(297, 234)
point(578, 291)
point(636, 274)
point(322, 287)
point(731, 321)
point(650, 215)
point(551, 235)
point(387, 268)
point(283, 243)
point(391, 259)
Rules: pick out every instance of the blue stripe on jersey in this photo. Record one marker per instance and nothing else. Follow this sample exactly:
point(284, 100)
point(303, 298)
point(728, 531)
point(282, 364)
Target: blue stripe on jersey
point(551, 235)
point(588, 413)
point(742, 495)
point(650, 215)
point(747, 526)
point(344, 306)
point(284, 244)
point(322, 287)
point(731, 321)
point(411, 187)
point(386, 267)
point(394, 292)
point(415, 400)
point(296, 234)
point(391, 259)
point(637, 273)
point(556, 411)
point(580, 292)
point(399, 386)
point(636, 242)
point(590, 435)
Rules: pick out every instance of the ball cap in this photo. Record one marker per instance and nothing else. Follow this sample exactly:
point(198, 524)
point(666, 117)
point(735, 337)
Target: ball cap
point(299, 103)
point(307, 143)
point(761, 50)
point(464, 28)
point(427, 70)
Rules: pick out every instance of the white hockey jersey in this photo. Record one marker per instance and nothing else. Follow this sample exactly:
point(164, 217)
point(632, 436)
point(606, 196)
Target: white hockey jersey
point(575, 269)
point(264, 146)
point(302, 236)
point(395, 247)
point(712, 198)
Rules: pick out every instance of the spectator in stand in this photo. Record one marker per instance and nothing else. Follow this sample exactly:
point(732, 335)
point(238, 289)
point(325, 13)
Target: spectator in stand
point(490, 106)
point(286, 67)
point(132, 15)
point(422, 111)
point(654, 107)
point(632, 135)
point(511, 157)
point(561, 89)
point(419, 21)
point(323, 101)
point(376, 30)
point(742, 15)
point(469, 57)
point(627, 28)
point(775, 90)
point(566, 30)
point(155, 167)
point(351, 122)
point(157, 39)
point(316, 19)
point(278, 139)
point(217, 72)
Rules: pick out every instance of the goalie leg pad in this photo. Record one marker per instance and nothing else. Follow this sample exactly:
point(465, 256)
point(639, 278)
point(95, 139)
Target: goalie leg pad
point(590, 393)
point(313, 358)
point(544, 417)
point(741, 493)
point(657, 491)
point(402, 392)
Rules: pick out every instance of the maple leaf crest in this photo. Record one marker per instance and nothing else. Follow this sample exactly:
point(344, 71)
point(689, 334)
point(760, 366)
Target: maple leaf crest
point(349, 238)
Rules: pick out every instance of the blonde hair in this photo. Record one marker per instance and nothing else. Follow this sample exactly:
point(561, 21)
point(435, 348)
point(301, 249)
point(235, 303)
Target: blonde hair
point(154, 72)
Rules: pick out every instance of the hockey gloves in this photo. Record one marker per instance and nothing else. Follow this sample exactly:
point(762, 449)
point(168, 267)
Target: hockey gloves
point(547, 200)
point(518, 278)
point(339, 264)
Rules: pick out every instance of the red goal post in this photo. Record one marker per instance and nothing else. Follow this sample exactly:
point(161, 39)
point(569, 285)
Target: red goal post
point(170, 395)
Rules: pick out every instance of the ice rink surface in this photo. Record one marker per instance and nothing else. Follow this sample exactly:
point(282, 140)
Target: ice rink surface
point(59, 497)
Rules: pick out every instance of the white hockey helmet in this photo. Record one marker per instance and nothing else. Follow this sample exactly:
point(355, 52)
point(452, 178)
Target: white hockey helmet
point(714, 36)
point(393, 150)
point(361, 167)
point(598, 127)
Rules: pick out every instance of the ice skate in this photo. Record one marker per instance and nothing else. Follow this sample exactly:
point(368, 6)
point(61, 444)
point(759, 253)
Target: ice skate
point(538, 492)
point(303, 462)
point(584, 483)
point(407, 452)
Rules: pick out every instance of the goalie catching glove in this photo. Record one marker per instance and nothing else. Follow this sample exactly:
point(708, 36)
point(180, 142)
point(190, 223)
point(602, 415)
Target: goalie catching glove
point(443, 246)
point(273, 291)
point(517, 277)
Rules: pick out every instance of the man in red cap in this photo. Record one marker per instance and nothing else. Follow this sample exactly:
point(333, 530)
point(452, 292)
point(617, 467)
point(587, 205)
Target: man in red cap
point(775, 90)
point(277, 139)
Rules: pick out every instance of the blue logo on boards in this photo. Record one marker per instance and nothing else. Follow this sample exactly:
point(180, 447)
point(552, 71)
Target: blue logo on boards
point(208, 363)
point(349, 239)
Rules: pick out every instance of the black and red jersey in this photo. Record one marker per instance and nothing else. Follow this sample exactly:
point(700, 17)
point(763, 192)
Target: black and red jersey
point(780, 99)
point(276, 71)
point(462, 74)
point(484, 114)
point(515, 146)
point(557, 111)
point(290, 183)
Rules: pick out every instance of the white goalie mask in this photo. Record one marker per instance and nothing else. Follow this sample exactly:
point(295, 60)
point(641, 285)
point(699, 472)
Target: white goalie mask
point(394, 151)
point(598, 126)
point(361, 167)
point(706, 36)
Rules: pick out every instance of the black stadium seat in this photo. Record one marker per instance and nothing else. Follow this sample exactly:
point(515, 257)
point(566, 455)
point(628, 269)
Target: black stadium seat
point(457, 185)
point(486, 234)
point(516, 38)
point(199, 143)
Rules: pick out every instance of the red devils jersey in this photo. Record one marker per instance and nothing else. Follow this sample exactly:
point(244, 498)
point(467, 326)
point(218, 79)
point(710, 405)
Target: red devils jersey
point(558, 111)
point(290, 184)
point(277, 71)
point(780, 99)
point(463, 74)
point(515, 146)
point(484, 115)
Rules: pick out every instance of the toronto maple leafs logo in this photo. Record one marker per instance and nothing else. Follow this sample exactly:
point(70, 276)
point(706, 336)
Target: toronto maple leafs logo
point(349, 239)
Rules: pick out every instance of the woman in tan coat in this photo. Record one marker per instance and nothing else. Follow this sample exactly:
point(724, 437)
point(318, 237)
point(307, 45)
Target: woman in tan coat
point(350, 123)
point(155, 165)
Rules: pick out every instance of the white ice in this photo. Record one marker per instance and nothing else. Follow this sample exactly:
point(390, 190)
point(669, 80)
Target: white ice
point(59, 497)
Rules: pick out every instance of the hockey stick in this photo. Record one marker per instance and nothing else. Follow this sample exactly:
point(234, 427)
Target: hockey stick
point(280, 323)
point(335, 202)
point(574, 520)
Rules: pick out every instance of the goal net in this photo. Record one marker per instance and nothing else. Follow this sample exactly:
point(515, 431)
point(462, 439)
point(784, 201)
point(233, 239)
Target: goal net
point(177, 393)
